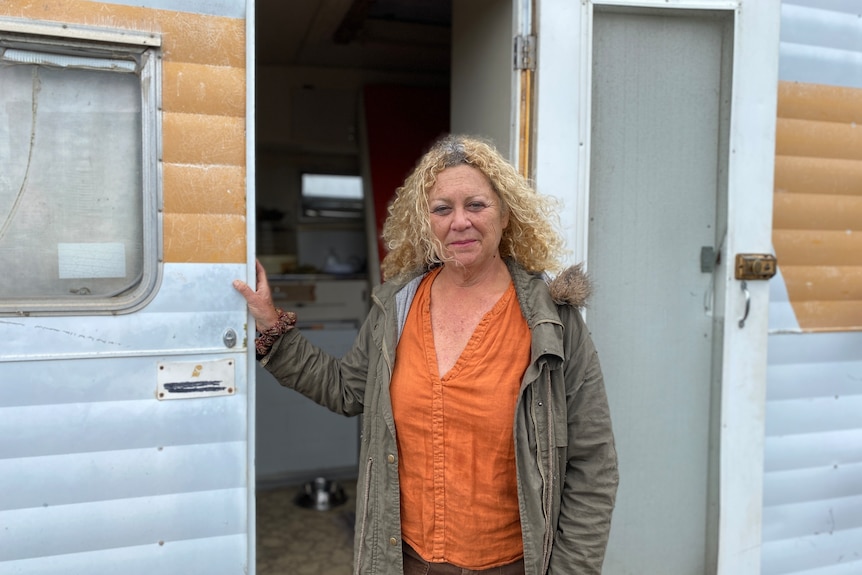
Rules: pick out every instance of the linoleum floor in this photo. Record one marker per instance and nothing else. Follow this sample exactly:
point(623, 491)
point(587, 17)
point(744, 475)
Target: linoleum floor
point(293, 540)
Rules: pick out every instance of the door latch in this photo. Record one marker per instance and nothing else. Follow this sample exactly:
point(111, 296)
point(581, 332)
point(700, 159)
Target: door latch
point(755, 266)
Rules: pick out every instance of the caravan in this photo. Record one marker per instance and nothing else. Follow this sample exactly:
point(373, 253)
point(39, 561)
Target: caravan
point(151, 149)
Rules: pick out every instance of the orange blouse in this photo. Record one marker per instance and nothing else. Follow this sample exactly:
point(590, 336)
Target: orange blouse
point(459, 493)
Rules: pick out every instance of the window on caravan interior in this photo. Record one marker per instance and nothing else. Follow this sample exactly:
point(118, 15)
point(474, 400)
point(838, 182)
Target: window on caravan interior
point(330, 196)
point(78, 175)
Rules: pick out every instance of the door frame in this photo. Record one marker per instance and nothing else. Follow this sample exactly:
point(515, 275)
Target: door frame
point(562, 152)
point(251, 278)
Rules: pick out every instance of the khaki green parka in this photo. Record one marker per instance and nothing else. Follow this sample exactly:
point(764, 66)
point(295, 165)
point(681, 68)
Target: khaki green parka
point(564, 448)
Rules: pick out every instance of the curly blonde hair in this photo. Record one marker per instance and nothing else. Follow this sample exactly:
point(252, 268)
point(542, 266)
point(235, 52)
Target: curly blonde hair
point(532, 237)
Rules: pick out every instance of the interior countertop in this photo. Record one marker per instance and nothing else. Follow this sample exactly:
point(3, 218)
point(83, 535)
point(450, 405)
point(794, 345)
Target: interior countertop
point(316, 277)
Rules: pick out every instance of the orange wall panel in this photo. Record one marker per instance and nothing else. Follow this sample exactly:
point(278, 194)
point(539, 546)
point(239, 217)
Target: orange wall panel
point(203, 108)
point(816, 247)
point(206, 238)
point(818, 139)
point(186, 37)
point(198, 139)
point(798, 174)
point(819, 102)
point(829, 315)
point(824, 283)
point(204, 189)
point(203, 89)
point(201, 39)
point(817, 209)
point(817, 212)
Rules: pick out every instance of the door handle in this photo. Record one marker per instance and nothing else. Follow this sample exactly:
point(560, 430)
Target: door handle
point(753, 267)
point(744, 287)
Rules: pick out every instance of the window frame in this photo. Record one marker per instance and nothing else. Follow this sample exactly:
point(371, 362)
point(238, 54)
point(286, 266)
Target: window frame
point(144, 49)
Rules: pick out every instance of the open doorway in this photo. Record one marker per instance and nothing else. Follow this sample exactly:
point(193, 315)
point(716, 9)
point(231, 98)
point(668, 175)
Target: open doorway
point(346, 89)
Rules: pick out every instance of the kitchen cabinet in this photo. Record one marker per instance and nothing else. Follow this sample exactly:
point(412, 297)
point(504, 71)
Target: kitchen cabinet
point(297, 439)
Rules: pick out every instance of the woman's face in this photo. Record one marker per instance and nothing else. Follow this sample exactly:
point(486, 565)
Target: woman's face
point(466, 216)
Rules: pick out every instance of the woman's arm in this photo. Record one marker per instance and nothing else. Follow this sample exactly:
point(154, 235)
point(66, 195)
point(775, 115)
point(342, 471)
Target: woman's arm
point(296, 363)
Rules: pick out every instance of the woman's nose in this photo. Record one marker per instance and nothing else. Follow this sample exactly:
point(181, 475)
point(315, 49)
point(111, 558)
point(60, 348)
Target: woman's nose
point(461, 219)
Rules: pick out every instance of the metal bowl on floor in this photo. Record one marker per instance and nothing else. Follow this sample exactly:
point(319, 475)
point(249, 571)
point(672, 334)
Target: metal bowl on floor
point(320, 494)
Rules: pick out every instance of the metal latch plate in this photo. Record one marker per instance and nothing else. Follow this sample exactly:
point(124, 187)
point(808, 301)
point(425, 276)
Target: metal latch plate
point(755, 266)
point(181, 380)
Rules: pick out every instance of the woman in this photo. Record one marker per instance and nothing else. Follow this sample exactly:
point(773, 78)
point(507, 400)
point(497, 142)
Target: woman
point(486, 442)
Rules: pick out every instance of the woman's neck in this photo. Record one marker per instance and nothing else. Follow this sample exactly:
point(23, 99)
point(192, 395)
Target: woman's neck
point(494, 273)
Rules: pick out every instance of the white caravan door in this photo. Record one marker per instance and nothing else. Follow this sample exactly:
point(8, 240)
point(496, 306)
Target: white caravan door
point(655, 125)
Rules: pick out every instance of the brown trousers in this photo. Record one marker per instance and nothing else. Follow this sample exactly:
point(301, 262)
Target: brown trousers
point(415, 565)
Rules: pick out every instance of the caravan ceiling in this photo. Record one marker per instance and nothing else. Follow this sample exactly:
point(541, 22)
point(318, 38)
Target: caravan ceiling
point(386, 35)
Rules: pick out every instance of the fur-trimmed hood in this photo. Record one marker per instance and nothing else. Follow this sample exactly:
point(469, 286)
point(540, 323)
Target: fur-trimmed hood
point(571, 287)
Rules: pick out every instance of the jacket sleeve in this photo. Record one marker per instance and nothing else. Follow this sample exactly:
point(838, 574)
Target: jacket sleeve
point(337, 384)
point(589, 489)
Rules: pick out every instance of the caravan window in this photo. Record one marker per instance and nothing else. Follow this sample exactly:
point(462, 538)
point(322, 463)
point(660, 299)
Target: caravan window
point(78, 185)
point(329, 196)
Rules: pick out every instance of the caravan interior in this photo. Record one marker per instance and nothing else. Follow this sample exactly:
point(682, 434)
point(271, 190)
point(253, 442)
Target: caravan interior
point(348, 93)
point(331, 78)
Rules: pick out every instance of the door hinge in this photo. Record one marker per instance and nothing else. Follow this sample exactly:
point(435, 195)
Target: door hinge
point(525, 52)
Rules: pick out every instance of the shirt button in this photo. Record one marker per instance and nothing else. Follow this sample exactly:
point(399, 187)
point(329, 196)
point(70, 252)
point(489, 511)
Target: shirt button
point(393, 541)
point(390, 458)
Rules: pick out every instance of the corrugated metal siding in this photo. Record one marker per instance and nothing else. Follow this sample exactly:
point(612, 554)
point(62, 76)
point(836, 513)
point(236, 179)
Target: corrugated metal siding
point(812, 517)
point(818, 202)
point(96, 474)
point(812, 520)
point(94, 470)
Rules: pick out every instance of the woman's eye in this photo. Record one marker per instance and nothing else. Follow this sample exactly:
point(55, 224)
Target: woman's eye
point(475, 206)
point(441, 210)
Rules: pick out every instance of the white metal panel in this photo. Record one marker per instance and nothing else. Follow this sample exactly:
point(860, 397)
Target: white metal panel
point(781, 314)
point(101, 525)
point(94, 467)
point(813, 455)
point(816, 554)
point(821, 42)
point(223, 556)
point(813, 450)
point(107, 475)
point(92, 426)
point(194, 294)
